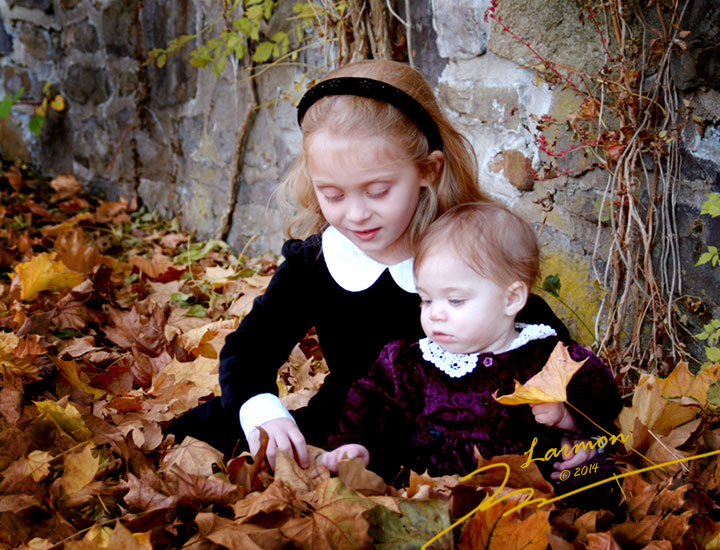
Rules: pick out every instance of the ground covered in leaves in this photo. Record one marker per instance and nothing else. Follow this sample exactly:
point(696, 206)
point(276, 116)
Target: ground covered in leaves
point(111, 322)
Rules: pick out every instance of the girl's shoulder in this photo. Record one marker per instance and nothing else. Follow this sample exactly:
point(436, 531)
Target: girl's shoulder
point(302, 251)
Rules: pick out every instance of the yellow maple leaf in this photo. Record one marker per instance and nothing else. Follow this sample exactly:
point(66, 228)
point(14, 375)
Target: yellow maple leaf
point(67, 418)
point(44, 272)
point(547, 386)
point(73, 374)
point(79, 469)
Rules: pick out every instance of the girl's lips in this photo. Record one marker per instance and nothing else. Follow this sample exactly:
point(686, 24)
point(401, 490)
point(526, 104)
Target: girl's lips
point(366, 235)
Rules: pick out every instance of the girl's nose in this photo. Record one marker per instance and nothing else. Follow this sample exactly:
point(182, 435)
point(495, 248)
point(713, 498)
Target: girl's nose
point(357, 211)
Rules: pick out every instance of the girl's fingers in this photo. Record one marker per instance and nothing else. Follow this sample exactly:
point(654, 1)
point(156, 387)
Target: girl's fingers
point(298, 443)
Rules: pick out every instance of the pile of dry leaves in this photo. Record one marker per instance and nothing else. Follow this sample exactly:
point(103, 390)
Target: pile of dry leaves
point(112, 321)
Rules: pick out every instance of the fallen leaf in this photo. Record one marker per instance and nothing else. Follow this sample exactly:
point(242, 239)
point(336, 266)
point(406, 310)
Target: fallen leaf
point(66, 418)
point(194, 490)
point(153, 267)
point(39, 462)
point(78, 379)
point(74, 249)
point(238, 536)
point(143, 498)
point(337, 522)
point(44, 272)
point(79, 469)
point(547, 386)
point(193, 456)
point(415, 523)
point(491, 530)
point(65, 186)
point(602, 541)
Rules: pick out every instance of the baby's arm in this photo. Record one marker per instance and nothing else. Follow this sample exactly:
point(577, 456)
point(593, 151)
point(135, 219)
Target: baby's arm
point(345, 452)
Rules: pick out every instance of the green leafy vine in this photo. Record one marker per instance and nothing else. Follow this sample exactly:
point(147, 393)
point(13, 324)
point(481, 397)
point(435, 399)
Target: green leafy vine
point(711, 331)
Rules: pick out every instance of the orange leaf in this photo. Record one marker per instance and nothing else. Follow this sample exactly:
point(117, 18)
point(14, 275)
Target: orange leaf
point(602, 541)
point(154, 267)
point(547, 386)
point(43, 272)
point(65, 186)
point(490, 530)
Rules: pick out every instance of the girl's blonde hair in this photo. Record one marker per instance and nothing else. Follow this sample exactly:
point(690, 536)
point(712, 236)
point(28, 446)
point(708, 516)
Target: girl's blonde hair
point(493, 241)
point(358, 116)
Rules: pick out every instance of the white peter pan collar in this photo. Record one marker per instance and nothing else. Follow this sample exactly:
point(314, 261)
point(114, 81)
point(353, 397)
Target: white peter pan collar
point(458, 365)
point(354, 270)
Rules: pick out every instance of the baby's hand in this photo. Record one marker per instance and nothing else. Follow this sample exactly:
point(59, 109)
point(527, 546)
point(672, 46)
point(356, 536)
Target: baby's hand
point(351, 450)
point(583, 454)
point(555, 415)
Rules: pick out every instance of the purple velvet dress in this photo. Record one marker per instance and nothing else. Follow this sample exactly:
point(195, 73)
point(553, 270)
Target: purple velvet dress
point(409, 413)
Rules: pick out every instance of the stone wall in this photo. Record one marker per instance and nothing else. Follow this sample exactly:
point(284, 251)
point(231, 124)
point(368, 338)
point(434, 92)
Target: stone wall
point(169, 134)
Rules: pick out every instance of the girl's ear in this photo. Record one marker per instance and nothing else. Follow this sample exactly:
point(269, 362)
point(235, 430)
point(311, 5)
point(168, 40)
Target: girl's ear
point(516, 297)
point(436, 160)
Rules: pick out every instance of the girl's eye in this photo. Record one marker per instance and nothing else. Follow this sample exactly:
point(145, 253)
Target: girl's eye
point(378, 194)
point(333, 198)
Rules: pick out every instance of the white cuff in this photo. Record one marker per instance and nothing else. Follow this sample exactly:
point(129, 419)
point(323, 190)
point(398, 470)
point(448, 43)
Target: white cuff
point(259, 409)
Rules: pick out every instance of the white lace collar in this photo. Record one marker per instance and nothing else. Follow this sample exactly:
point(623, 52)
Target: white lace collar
point(457, 365)
point(354, 270)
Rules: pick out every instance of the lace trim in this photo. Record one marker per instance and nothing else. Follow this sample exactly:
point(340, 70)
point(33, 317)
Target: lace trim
point(457, 365)
point(528, 333)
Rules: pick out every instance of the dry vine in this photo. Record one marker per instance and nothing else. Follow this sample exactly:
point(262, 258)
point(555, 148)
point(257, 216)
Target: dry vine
point(642, 265)
point(629, 122)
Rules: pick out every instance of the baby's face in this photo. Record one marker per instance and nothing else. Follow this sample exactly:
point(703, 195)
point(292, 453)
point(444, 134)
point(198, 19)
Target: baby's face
point(461, 310)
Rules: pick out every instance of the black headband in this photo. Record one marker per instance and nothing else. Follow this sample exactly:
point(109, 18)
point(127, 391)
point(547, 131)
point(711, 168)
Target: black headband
point(374, 89)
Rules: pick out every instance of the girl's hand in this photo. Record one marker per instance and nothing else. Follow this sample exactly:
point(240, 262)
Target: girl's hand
point(345, 452)
point(572, 459)
point(555, 415)
point(283, 434)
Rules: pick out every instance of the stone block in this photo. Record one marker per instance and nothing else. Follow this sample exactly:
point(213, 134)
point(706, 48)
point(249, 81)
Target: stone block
point(35, 39)
point(14, 78)
point(460, 28)
point(699, 64)
point(163, 20)
point(553, 28)
point(6, 40)
point(44, 5)
point(127, 83)
point(518, 169)
point(84, 85)
point(117, 29)
point(80, 36)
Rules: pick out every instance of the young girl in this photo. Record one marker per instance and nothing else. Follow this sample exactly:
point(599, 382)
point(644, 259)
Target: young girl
point(379, 163)
point(428, 403)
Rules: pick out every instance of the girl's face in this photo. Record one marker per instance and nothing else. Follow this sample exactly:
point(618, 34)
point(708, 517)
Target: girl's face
point(365, 190)
point(461, 310)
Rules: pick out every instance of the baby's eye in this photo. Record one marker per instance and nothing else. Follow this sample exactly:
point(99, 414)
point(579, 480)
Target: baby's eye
point(456, 301)
point(425, 303)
